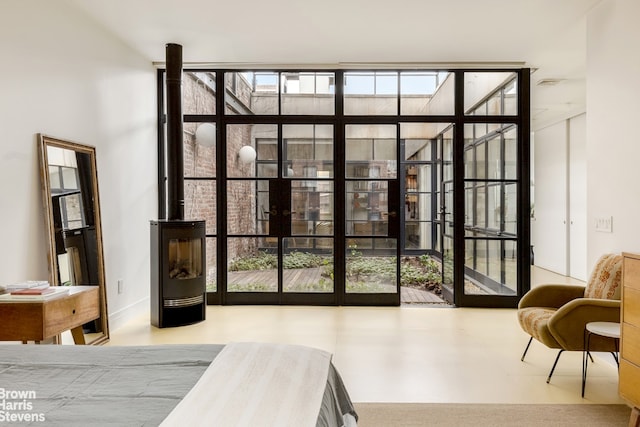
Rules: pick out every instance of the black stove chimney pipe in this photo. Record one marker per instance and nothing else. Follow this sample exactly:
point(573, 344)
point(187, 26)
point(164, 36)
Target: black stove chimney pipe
point(175, 165)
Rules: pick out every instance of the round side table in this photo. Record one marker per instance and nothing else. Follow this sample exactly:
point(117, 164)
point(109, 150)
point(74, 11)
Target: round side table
point(603, 329)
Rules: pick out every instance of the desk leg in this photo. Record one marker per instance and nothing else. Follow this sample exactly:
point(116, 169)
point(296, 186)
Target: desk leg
point(78, 335)
point(634, 420)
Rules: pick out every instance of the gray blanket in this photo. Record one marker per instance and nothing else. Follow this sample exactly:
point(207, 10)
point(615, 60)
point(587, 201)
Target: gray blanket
point(114, 386)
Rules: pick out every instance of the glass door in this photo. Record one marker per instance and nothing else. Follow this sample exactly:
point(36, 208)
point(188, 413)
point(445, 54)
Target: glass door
point(371, 215)
point(446, 214)
point(306, 195)
point(252, 243)
point(280, 237)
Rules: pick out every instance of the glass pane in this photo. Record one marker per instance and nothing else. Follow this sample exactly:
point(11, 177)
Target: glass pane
point(198, 92)
point(480, 257)
point(212, 280)
point(200, 202)
point(511, 264)
point(447, 263)
point(469, 213)
point(495, 264)
point(420, 139)
point(469, 254)
point(370, 93)
point(367, 204)
point(308, 265)
point(418, 178)
point(308, 93)
point(469, 164)
point(494, 104)
point(483, 91)
point(511, 154)
point(371, 151)
point(494, 216)
point(199, 152)
point(480, 130)
point(448, 211)
point(511, 208)
point(249, 93)
point(511, 99)
point(371, 266)
point(480, 206)
point(417, 206)
point(252, 150)
point(481, 164)
point(308, 151)
point(243, 212)
point(253, 264)
point(418, 235)
point(495, 269)
point(494, 159)
point(311, 202)
point(263, 208)
point(426, 93)
point(417, 149)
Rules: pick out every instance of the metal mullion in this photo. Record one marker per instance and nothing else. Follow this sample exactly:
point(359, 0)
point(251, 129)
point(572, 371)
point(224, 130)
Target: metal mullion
point(280, 217)
point(458, 186)
point(221, 193)
point(339, 156)
point(523, 176)
point(502, 204)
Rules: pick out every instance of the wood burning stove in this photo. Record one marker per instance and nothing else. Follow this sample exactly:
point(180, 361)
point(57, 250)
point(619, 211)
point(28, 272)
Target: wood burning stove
point(178, 261)
point(177, 272)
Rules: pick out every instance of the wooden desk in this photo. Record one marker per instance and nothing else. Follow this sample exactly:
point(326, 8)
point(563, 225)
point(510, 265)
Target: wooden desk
point(39, 320)
point(630, 340)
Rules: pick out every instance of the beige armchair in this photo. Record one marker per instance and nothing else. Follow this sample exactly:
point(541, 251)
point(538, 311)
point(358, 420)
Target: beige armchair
point(556, 315)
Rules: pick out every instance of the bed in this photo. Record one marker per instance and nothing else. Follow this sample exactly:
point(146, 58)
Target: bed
point(252, 384)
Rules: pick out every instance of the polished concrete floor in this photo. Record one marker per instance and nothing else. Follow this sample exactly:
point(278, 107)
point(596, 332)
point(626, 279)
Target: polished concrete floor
point(413, 353)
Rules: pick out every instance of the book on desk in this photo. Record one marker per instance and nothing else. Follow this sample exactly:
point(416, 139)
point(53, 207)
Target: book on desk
point(34, 294)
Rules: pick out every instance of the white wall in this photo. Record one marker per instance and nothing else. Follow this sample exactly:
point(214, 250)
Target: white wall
point(64, 76)
point(613, 111)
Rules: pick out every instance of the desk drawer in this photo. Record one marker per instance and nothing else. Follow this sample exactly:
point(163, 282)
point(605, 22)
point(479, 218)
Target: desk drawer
point(15, 328)
point(72, 311)
point(629, 380)
point(631, 273)
point(631, 306)
point(631, 343)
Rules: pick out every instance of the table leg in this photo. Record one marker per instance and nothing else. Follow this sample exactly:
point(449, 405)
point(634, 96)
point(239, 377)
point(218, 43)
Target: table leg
point(78, 335)
point(585, 359)
point(634, 420)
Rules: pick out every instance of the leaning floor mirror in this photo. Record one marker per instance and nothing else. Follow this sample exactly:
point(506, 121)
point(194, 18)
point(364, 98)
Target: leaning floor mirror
point(72, 218)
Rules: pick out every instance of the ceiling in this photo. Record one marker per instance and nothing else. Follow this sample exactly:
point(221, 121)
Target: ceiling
point(548, 36)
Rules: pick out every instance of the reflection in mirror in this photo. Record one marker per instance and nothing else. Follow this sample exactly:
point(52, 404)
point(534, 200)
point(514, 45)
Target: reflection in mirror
point(72, 216)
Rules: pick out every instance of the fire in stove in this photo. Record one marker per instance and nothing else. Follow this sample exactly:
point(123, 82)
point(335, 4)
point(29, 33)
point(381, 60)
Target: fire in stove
point(185, 258)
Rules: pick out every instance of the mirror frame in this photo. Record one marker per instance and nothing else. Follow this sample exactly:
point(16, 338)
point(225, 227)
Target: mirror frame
point(45, 141)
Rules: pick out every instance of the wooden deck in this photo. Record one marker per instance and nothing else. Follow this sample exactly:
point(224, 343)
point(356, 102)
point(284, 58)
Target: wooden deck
point(418, 296)
point(310, 280)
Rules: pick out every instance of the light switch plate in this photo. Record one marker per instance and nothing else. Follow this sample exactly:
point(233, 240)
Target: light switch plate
point(604, 224)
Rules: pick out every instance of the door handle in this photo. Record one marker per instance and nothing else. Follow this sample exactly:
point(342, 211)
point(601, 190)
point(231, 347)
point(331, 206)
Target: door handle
point(272, 212)
point(286, 212)
point(392, 214)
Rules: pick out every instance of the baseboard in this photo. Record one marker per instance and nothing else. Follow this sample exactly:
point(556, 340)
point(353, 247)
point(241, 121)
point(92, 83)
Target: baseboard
point(120, 318)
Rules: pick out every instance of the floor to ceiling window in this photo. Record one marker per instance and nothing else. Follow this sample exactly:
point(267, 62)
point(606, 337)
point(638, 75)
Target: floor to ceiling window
point(337, 186)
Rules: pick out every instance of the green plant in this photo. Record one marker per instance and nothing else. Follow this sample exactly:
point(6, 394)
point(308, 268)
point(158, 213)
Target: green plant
point(261, 261)
point(297, 259)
